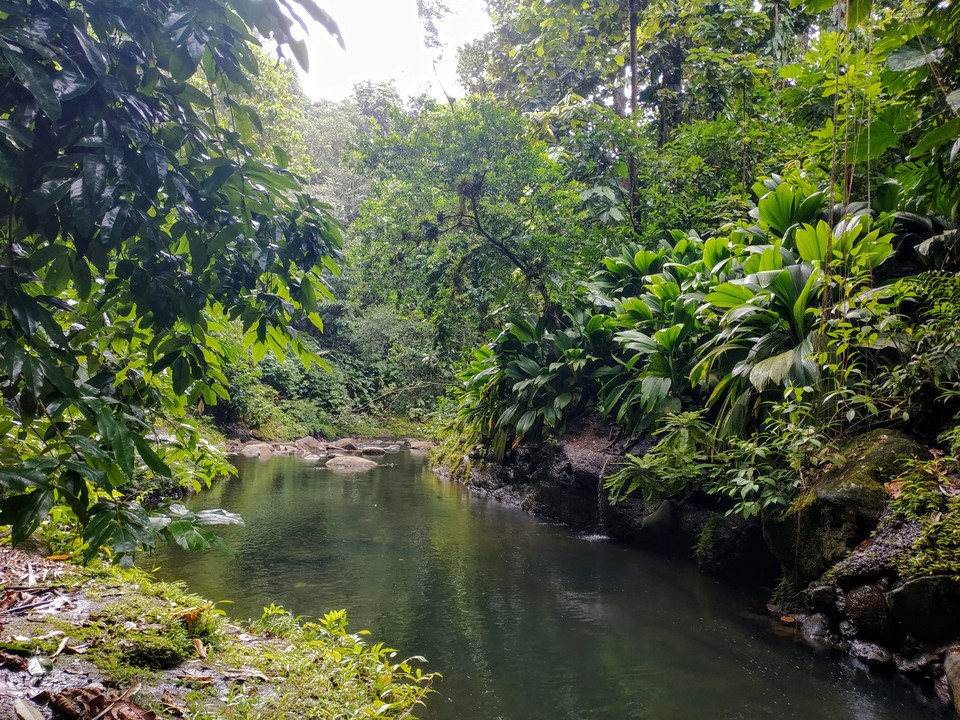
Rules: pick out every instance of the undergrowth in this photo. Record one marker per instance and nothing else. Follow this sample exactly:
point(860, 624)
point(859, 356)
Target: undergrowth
point(279, 666)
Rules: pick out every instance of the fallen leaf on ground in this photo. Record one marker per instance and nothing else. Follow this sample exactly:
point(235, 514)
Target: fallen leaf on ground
point(201, 650)
point(12, 661)
point(170, 703)
point(894, 488)
point(245, 674)
point(95, 703)
point(27, 711)
point(787, 619)
point(192, 677)
point(62, 646)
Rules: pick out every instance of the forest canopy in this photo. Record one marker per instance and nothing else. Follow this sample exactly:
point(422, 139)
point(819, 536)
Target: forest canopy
point(728, 226)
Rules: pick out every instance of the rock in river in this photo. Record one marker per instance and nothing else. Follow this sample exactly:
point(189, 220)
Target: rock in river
point(350, 463)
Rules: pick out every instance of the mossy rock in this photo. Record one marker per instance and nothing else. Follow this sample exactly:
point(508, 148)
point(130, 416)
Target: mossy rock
point(843, 508)
point(154, 650)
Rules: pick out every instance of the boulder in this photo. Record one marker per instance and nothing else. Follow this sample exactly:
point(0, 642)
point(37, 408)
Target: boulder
point(311, 445)
point(349, 463)
point(419, 445)
point(822, 597)
point(728, 546)
point(841, 510)
point(392, 449)
point(346, 444)
point(372, 450)
point(866, 606)
point(663, 520)
point(816, 627)
point(870, 653)
point(916, 664)
point(257, 449)
point(926, 607)
point(951, 669)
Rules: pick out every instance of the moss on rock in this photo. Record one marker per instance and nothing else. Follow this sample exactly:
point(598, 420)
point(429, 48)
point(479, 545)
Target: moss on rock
point(842, 509)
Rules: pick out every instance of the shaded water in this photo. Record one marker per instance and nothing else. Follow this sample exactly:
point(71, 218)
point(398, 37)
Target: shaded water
point(525, 620)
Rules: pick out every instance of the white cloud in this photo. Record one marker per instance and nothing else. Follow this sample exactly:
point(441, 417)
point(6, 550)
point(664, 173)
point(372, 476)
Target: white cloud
point(384, 41)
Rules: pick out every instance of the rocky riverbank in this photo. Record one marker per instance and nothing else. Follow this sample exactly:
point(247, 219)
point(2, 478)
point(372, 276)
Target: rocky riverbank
point(102, 643)
point(868, 558)
point(343, 455)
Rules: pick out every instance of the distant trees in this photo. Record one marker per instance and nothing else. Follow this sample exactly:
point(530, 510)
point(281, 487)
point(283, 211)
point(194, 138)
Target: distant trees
point(139, 208)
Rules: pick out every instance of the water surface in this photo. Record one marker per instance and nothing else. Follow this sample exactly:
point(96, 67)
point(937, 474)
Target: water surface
point(526, 620)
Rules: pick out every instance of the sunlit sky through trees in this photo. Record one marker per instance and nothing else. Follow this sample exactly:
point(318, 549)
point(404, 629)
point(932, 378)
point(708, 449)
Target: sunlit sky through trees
point(384, 40)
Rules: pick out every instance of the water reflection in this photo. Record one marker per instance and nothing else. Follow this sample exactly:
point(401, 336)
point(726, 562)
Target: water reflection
point(524, 619)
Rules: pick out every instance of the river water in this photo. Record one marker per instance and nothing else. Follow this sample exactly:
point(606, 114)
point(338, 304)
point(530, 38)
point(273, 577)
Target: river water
point(524, 619)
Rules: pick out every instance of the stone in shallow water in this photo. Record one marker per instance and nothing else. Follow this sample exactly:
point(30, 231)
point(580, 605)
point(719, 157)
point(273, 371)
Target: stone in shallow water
point(311, 445)
point(816, 627)
point(348, 463)
point(870, 653)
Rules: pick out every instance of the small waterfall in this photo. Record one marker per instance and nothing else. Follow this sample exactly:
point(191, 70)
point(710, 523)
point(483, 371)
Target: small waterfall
point(601, 508)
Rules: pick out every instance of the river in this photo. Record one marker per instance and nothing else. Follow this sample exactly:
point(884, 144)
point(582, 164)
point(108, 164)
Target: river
point(524, 619)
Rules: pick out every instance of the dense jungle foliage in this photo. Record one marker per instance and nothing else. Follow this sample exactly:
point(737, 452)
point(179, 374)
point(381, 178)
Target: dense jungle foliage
point(729, 225)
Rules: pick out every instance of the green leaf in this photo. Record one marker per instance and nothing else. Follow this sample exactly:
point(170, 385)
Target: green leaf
point(119, 439)
point(150, 457)
point(874, 141)
point(812, 242)
point(729, 295)
point(24, 513)
point(948, 132)
point(37, 83)
point(911, 58)
point(953, 100)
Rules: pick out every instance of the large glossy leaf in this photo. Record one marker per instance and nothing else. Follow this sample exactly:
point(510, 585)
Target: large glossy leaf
point(36, 81)
point(812, 242)
point(729, 295)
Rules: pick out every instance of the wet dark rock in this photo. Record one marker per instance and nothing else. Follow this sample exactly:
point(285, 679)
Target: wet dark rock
point(866, 606)
point(927, 607)
point(878, 557)
point(822, 597)
point(732, 547)
point(663, 520)
point(848, 629)
point(951, 670)
point(915, 664)
point(870, 652)
point(941, 687)
point(842, 509)
point(816, 627)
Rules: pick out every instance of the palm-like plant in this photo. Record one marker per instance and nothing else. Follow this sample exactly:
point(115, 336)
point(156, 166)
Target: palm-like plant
point(532, 379)
point(772, 319)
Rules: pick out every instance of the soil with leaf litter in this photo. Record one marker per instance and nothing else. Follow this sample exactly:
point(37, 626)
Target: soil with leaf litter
point(105, 644)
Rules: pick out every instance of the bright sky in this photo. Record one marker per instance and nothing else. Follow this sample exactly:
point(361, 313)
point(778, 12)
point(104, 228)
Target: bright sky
point(385, 41)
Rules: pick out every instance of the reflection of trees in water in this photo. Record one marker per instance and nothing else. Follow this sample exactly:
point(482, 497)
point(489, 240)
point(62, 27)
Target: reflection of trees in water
point(525, 620)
